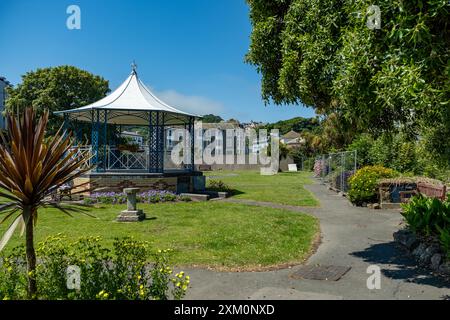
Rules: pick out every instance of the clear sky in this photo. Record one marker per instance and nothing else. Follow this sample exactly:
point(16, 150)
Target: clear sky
point(191, 53)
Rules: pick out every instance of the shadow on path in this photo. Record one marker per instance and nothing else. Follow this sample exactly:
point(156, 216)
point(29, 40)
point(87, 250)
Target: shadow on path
point(402, 266)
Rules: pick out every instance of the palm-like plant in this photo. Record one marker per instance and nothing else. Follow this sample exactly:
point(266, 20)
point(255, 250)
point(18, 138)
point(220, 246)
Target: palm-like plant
point(31, 169)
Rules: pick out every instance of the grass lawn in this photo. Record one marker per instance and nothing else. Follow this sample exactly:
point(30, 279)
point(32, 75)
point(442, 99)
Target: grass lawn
point(283, 188)
point(215, 234)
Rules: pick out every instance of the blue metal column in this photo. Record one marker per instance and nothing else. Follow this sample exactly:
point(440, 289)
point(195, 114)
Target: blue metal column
point(191, 131)
point(155, 143)
point(150, 142)
point(162, 141)
point(94, 137)
point(105, 131)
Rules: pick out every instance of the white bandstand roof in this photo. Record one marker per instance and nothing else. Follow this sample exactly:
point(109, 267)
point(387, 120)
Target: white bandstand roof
point(129, 104)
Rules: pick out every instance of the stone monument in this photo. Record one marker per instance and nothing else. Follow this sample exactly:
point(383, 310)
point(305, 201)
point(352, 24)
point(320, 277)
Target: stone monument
point(132, 214)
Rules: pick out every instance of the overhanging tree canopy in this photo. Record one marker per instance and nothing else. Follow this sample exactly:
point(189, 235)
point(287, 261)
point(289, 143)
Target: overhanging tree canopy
point(321, 53)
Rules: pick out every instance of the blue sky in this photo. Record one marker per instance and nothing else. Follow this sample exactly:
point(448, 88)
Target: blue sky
point(191, 53)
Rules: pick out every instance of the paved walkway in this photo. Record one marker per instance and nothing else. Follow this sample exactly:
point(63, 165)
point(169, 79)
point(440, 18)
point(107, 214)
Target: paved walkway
point(351, 236)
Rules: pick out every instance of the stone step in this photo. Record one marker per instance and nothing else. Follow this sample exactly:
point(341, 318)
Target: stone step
point(196, 196)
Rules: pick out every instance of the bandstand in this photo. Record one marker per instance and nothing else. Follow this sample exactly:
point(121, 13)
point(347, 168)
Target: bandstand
point(148, 166)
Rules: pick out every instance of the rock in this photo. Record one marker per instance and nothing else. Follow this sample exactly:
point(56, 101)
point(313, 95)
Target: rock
point(445, 268)
point(370, 206)
point(364, 204)
point(417, 252)
point(407, 238)
point(424, 256)
point(436, 260)
point(376, 206)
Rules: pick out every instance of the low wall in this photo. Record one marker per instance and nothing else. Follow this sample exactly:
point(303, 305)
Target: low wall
point(116, 182)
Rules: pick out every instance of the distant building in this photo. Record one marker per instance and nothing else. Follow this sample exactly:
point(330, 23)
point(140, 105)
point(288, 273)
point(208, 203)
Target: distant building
point(135, 137)
point(292, 139)
point(252, 124)
point(3, 84)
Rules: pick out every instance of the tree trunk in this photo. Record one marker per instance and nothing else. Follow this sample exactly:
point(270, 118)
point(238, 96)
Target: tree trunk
point(31, 254)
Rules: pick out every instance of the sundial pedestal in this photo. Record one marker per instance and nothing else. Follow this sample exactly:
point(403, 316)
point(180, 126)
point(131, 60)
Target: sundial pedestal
point(132, 214)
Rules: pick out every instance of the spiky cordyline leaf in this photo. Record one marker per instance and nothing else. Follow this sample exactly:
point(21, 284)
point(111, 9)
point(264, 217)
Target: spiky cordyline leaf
point(30, 168)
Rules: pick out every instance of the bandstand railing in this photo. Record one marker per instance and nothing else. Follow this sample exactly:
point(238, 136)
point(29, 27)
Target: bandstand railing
point(123, 160)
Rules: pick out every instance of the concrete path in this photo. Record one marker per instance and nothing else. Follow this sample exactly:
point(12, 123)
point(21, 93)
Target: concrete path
point(351, 236)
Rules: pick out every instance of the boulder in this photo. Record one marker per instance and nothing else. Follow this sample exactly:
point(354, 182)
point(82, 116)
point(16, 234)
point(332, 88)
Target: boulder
point(436, 260)
point(445, 268)
point(423, 256)
point(406, 238)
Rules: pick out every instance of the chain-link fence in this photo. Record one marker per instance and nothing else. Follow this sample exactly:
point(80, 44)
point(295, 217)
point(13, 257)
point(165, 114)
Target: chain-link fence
point(336, 168)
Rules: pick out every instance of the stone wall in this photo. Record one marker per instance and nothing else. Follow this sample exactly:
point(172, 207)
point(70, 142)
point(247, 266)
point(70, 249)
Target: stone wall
point(117, 182)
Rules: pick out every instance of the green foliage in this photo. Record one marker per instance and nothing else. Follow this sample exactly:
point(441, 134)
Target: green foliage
point(55, 89)
point(122, 273)
point(431, 217)
point(217, 185)
point(364, 183)
point(321, 53)
point(211, 118)
point(382, 151)
point(425, 215)
point(297, 124)
point(362, 145)
point(444, 238)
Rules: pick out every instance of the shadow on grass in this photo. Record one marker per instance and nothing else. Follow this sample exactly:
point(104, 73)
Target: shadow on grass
point(401, 265)
point(235, 192)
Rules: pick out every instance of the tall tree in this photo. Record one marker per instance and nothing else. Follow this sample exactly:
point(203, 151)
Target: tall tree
point(322, 53)
point(55, 89)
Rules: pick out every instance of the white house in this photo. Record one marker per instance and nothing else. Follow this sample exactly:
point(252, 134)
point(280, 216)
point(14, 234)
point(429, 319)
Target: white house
point(135, 137)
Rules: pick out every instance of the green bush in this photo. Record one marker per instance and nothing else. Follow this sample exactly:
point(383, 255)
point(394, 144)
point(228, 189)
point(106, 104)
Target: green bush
point(364, 183)
point(128, 271)
point(362, 146)
point(426, 215)
point(430, 217)
point(382, 151)
point(217, 185)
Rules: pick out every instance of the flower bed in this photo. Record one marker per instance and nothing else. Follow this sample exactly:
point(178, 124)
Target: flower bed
point(151, 196)
point(127, 271)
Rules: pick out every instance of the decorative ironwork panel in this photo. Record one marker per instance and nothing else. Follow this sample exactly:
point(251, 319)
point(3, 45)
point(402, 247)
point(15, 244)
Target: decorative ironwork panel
point(155, 143)
point(94, 136)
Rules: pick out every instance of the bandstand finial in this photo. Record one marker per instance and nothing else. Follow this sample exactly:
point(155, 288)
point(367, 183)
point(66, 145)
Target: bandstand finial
point(133, 66)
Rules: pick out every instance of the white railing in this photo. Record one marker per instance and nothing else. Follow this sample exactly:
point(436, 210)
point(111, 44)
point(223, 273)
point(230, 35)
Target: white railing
point(126, 160)
point(83, 151)
point(117, 159)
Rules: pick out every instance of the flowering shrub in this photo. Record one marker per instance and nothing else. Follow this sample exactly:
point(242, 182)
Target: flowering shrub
point(152, 196)
point(123, 273)
point(363, 184)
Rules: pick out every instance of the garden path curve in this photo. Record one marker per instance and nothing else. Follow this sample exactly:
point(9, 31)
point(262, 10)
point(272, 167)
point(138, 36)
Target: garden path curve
point(351, 236)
